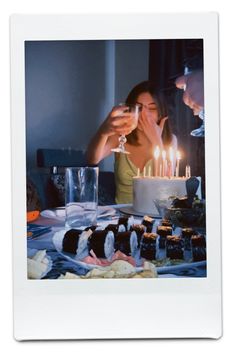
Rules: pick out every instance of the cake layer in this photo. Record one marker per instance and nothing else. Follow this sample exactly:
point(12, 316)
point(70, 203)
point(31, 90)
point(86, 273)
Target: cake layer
point(147, 189)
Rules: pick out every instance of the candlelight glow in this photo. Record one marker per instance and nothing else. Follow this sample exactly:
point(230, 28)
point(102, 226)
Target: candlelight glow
point(171, 154)
point(178, 155)
point(156, 152)
point(164, 154)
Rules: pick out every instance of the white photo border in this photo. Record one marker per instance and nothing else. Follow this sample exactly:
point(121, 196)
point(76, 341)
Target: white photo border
point(146, 308)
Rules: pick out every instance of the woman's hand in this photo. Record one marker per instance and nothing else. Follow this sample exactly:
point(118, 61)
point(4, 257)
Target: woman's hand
point(152, 130)
point(118, 122)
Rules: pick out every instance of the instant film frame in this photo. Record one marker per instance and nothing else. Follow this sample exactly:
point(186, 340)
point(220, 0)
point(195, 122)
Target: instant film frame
point(173, 308)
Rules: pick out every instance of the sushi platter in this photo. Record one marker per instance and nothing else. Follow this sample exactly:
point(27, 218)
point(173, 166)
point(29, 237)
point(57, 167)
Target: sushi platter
point(135, 241)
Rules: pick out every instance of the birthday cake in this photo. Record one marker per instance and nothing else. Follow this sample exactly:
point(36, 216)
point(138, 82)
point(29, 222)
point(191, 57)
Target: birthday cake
point(148, 189)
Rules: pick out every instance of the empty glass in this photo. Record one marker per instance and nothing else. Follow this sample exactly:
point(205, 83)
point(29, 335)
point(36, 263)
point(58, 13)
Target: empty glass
point(81, 196)
point(199, 132)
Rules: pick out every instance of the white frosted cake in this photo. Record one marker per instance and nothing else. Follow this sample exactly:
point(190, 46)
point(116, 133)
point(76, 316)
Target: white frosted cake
point(146, 189)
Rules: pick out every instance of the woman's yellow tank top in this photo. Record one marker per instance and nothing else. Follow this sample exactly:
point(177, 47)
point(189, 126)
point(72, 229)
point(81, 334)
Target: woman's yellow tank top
point(125, 170)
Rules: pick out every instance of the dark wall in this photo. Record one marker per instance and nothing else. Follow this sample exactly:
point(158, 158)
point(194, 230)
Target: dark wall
point(72, 85)
point(167, 61)
point(59, 95)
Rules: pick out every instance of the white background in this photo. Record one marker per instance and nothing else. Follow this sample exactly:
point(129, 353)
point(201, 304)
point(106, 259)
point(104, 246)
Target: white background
point(227, 80)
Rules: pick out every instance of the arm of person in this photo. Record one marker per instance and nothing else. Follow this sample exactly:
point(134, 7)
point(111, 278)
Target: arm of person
point(100, 147)
point(193, 86)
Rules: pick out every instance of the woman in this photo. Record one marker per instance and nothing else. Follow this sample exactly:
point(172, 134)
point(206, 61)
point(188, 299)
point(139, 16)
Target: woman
point(152, 130)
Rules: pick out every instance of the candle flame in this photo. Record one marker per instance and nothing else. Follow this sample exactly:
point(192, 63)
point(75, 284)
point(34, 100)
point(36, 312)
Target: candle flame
point(178, 155)
point(171, 154)
point(156, 152)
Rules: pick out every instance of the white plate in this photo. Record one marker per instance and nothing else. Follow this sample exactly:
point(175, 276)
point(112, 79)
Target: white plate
point(59, 213)
point(130, 211)
point(58, 238)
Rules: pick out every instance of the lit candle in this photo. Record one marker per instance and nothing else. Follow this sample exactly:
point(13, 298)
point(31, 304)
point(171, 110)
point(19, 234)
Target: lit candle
point(163, 163)
point(160, 174)
point(178, 157)
point(188, 171)
point(138, 172)
point(155, 161)
point(171, 155)
point(144, 172)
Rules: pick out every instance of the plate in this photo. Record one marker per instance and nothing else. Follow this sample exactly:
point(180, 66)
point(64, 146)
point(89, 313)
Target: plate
point(59, 213)
point(183, 269)
point(130, 211)
point(57, 241)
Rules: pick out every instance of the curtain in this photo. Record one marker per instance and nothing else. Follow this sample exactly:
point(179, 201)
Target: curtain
point(167, 59)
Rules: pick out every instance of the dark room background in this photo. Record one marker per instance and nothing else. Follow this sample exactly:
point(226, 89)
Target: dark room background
point(72, 85)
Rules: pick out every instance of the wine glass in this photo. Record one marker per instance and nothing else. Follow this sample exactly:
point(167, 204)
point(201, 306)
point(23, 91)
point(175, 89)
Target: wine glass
point(199, 132)
point(134, 110)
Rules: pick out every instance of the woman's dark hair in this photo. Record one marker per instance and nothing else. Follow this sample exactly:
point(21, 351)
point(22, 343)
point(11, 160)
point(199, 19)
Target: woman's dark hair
point(159, 98)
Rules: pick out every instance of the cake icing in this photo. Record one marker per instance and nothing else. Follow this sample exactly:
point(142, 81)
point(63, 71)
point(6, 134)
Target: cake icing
point(146, 189)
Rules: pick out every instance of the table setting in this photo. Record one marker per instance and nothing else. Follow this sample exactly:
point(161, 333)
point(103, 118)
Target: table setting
point(66, 242)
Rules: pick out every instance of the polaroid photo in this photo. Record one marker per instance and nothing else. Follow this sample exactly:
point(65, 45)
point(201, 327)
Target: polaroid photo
point(116, 176)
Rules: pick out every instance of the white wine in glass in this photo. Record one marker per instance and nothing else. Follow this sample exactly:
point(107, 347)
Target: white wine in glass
point(134, 110)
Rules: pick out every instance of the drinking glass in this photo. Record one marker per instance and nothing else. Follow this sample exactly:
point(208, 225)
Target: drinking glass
point(199, 132)
point(81, 196)
point(134, 110)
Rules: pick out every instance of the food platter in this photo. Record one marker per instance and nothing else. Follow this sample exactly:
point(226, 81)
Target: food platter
point(165, 267)
point(130, 211)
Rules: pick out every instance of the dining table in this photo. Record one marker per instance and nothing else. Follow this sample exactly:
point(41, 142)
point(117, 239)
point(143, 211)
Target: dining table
point(52, 221)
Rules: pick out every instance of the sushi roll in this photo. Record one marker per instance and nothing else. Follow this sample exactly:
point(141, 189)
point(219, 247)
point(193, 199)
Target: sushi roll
point(139, 229)
point(149, 223)
point(127, 243)
point(166, 222)
point(92, 228)
point(198, 243)
point(70, 241)
point(163, 232)
point(187, 233)
point(76, 242)
point(174, 247)
point(102, 243)
point(127, 222)
point(82, 250)
point(115, 228)
point(149, 246)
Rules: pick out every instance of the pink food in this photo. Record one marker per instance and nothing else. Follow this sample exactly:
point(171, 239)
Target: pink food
point(104, 262)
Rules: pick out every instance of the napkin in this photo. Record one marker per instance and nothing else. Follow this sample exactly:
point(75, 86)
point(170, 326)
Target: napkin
point(38, 263)
point(34, 230)
point(59, 213)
